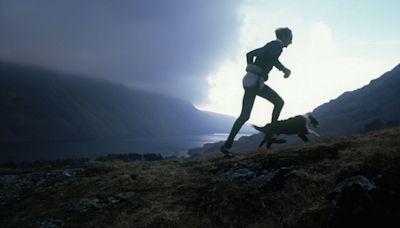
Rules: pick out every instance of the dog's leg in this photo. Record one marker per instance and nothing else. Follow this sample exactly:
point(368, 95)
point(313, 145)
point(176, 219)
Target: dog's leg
point(272, 140)
point(262, 143)
point(269, 143)
point(303, 137)
point(313, 132)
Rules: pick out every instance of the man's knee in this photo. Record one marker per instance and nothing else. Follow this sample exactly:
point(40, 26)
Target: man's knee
point(244, 117)
point(279, 103)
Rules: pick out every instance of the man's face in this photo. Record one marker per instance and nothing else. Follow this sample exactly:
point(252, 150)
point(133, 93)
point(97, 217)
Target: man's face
point(287, 41)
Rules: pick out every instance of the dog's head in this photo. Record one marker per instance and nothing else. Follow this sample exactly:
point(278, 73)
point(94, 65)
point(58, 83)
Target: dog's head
point(314, 122)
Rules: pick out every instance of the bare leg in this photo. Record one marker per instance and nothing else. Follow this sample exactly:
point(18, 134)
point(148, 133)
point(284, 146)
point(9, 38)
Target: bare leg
point(247, 105)
point(269, 94)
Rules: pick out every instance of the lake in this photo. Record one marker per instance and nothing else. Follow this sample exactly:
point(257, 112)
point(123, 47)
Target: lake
point(166, 146)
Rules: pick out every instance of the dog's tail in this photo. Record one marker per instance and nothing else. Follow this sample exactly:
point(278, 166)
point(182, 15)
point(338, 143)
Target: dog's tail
point(258, 128)
point(267, 129)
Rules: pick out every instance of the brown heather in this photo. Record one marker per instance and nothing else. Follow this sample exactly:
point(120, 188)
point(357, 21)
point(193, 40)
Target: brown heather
point(196, 192)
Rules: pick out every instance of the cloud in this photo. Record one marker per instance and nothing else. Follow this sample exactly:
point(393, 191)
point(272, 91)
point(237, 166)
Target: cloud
point(320, 40)
point(163, 46)
point(382, 42)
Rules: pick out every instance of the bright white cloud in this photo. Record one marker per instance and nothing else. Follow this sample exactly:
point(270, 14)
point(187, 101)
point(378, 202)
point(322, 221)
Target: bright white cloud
point(320, 40)
point(225, 88)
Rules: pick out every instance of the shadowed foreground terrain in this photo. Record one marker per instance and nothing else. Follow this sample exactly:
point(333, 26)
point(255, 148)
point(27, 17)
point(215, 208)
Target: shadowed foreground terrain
point(348, 181)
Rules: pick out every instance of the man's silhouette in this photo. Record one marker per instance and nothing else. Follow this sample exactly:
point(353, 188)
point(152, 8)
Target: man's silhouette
point(253, 82)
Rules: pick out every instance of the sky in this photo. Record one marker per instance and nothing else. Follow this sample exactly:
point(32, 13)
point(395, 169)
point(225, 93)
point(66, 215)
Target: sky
point(195, 50)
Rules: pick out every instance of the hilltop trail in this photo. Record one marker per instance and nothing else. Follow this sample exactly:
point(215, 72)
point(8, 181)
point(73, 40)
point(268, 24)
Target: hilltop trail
point(335, 182)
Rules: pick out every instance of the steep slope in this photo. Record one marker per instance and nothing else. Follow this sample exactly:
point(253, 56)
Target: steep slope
point(352, 111)
point(338, 182)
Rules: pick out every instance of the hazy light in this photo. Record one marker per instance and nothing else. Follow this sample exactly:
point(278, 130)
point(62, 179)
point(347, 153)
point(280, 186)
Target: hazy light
point(322, 67)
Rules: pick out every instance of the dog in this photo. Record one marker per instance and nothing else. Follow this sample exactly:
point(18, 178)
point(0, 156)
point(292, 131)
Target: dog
point(299, 125)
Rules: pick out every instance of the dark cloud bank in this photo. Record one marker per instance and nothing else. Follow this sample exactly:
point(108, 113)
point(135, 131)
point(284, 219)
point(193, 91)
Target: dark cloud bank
point(163, 46)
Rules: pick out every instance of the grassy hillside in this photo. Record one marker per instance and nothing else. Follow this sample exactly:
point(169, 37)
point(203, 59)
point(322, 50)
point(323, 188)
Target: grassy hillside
point(351, 181)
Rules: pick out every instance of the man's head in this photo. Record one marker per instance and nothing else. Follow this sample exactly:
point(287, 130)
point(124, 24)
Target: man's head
point(285, 35)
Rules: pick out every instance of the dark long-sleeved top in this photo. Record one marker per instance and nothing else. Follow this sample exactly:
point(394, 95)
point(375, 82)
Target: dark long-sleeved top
point(267, 57)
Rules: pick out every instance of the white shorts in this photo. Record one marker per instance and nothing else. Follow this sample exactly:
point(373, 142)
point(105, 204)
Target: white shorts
point(252, 81)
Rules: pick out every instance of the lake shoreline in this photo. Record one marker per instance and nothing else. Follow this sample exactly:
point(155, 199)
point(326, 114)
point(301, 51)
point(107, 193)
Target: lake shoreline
point(166, 146)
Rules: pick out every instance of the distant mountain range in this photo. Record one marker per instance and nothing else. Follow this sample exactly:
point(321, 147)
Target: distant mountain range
point(40, 106)
point(372, 107)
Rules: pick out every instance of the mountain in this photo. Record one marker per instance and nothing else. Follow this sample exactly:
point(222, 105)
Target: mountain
point(353, 111)
point(335, 182)
point(37, 104)
point(40, 105)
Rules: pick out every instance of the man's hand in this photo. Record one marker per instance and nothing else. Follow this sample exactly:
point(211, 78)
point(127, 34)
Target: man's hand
point(286, 72)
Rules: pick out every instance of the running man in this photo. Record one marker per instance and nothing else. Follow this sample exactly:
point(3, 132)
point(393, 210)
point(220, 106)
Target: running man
point(253, 82)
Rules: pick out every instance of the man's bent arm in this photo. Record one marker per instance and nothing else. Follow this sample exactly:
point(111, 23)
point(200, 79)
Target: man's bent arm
point(279, 65)
point(275, 53)
point(250, 55)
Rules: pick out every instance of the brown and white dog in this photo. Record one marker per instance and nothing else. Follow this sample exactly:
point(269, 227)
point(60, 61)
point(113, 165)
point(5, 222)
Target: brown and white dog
point(299, 125)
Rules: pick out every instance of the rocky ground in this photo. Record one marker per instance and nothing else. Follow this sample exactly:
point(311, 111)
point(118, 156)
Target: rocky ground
point(350, 181)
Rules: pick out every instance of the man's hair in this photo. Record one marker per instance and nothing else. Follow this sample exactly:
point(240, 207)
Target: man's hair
point(282, 33)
